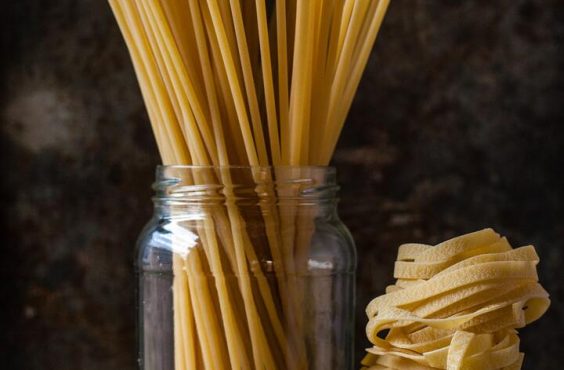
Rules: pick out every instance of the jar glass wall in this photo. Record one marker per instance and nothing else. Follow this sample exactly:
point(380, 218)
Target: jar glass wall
point(245, 268)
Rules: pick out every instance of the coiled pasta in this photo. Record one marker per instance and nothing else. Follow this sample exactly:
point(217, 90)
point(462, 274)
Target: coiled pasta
point(456, 306)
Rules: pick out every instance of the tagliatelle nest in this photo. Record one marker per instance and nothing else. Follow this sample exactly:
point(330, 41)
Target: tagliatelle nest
point(456, 306)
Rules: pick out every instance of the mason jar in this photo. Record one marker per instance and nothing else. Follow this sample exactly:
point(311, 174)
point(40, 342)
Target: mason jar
point(245, 268)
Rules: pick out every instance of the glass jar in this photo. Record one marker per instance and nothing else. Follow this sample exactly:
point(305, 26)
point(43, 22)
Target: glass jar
point(245, 268)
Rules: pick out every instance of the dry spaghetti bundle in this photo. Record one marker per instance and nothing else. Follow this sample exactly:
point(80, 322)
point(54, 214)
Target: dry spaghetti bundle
point(249, 82)
point(255, 83)
point(456, 306)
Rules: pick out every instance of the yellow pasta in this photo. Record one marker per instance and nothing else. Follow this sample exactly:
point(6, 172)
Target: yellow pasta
point(245, 83)
point(456, 306)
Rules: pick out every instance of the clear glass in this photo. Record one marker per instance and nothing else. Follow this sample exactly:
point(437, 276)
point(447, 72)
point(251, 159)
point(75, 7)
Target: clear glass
point(245, 268)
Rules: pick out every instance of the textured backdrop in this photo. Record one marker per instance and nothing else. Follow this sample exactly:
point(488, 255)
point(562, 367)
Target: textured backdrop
point(458, 125)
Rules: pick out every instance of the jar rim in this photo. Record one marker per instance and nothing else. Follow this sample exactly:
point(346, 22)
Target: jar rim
point(286, 182)
point(236, 167)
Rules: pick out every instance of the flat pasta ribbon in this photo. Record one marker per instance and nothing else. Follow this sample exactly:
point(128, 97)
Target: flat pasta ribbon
point(456, 306)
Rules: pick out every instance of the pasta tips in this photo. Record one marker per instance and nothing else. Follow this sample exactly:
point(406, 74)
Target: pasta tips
point(456, 306)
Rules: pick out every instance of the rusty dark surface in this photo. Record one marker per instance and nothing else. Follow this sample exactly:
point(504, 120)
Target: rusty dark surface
point(458, 125)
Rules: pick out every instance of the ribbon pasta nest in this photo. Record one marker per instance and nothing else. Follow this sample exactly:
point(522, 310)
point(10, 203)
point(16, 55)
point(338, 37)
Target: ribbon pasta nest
point(456, 306)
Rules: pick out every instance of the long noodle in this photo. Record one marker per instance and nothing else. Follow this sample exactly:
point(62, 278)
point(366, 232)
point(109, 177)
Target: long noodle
point(249, 83)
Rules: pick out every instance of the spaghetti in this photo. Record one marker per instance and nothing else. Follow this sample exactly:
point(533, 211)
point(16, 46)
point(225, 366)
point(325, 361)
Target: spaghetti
point(253, 83)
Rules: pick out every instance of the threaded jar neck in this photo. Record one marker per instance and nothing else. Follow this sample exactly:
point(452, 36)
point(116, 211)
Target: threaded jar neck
point(244, 185)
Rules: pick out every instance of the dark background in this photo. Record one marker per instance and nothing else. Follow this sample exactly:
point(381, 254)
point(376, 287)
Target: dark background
point(458, 125)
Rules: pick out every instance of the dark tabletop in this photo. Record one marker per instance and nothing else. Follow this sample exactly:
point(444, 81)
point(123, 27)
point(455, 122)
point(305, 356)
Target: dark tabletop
point(458, 125)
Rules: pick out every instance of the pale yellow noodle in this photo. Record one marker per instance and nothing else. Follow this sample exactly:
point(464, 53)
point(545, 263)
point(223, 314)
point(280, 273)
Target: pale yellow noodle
point(462, 311)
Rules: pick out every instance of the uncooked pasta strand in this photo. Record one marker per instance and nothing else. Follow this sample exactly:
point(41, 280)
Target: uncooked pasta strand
point(367, 43)
point(193, 113)
point(283, 94)
point(234, 83)
point(268, 82)
point(248, 79)
point(344, 61)
point(301, 79)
